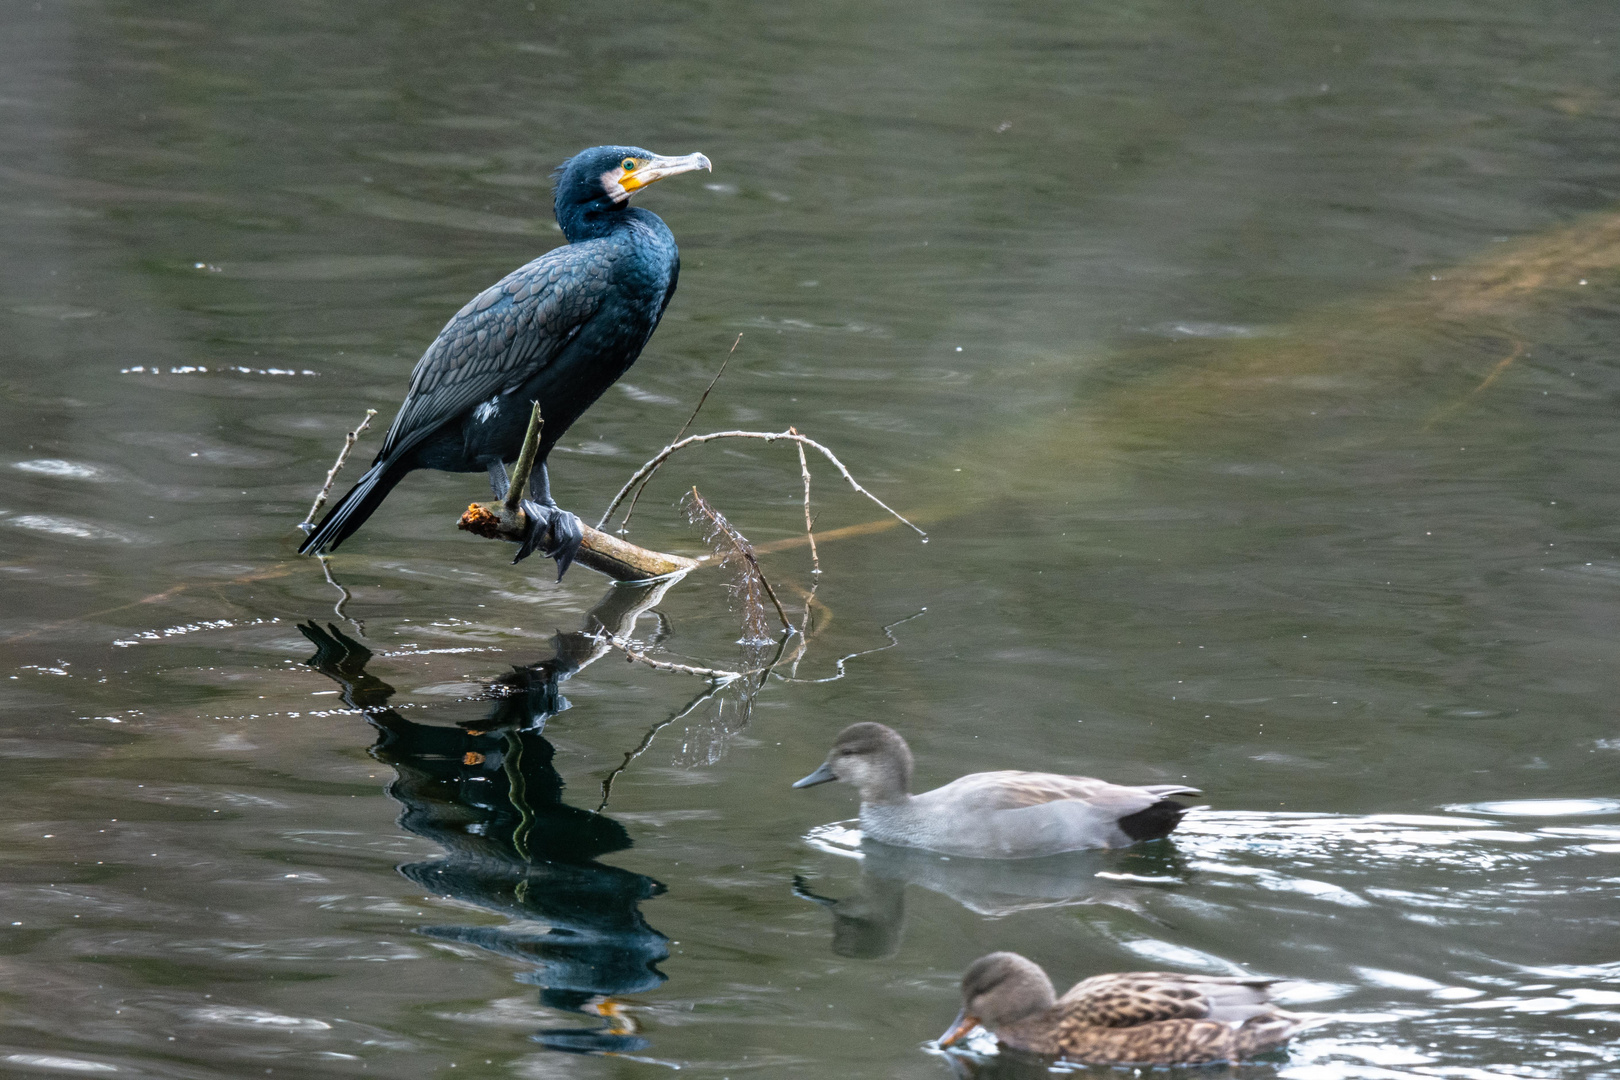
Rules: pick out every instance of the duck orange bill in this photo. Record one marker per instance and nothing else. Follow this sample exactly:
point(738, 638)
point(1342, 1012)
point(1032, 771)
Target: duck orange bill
point(959, 1029)
point(823, 775)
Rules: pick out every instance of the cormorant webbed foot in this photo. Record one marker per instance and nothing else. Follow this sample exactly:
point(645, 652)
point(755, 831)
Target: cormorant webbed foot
point(553, 532)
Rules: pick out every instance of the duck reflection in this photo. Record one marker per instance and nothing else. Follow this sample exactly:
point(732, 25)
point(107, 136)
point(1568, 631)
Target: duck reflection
point(488, 794)
point(1009, 1064)
point(869, 924)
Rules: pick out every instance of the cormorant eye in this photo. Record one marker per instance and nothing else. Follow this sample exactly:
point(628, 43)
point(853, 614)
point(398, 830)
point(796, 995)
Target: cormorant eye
point(627, 164)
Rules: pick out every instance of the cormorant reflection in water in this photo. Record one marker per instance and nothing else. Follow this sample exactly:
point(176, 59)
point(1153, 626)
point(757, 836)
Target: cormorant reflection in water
point(487, 793)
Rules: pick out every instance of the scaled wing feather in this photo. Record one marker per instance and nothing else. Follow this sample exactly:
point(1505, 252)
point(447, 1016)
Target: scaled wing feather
point(1131, 998)
point(500, 339)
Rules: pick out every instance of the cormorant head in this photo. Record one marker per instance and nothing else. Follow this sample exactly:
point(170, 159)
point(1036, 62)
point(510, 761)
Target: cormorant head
point(602, 179)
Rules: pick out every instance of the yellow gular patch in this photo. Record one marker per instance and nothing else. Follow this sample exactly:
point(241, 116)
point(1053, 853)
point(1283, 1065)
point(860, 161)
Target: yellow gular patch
point(630, 179)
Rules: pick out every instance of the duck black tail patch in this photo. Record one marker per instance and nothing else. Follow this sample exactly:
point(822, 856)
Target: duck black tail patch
point(1153, 823)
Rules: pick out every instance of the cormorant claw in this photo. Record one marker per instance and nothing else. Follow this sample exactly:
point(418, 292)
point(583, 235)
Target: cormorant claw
point(553, 531)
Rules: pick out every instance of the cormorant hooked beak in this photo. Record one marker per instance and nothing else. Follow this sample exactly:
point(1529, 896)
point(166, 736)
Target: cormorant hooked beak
point(823, 775)
point(959, 1029)
point(633, 174)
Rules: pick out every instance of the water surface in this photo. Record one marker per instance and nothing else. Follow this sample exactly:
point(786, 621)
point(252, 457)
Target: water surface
point(1251, 366)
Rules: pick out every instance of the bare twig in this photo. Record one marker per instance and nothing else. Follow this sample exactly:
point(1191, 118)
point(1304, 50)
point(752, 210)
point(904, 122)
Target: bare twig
point(624, 526)
point(705, 397)
point(663, 455)
point(720, 676)
point(525, 461)
point(804, 471)
point(733, 547)
point(343, 456)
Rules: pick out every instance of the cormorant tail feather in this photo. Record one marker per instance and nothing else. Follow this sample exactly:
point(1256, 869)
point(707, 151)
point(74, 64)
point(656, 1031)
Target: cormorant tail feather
point(353, 509)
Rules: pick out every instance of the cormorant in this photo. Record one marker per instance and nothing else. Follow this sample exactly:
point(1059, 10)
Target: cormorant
point(558, 331)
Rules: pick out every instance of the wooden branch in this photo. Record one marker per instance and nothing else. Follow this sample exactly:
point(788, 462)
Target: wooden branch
point(602, 552)
point(505, 520)
point(525, 462)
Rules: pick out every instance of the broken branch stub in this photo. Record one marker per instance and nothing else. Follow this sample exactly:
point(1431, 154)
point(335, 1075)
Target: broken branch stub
point(525, 462)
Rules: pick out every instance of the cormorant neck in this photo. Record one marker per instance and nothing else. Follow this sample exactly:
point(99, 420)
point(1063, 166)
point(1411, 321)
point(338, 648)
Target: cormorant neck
point(588, 221)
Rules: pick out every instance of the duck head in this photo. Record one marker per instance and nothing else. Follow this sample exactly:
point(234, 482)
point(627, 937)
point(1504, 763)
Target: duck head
point(998, 990)
point(872, 757)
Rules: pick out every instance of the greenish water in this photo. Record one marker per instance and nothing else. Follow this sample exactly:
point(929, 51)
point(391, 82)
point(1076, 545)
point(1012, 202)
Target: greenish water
point(1170, 321)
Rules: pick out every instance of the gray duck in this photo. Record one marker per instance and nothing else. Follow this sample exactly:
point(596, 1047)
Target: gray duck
point(992, 815)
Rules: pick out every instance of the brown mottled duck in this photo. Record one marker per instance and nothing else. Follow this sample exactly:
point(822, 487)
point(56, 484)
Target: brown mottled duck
point(1131, 1018)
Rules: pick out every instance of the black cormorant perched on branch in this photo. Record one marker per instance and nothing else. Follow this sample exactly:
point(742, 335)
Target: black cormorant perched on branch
point(558, 331)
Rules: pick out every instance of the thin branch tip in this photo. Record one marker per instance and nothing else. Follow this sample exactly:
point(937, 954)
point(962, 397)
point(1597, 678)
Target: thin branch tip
point(646, 471)
point(624, 526)
point(331, 475)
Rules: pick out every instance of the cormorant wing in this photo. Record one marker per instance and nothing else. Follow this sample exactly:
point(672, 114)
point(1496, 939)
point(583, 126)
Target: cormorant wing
point(501, 338)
